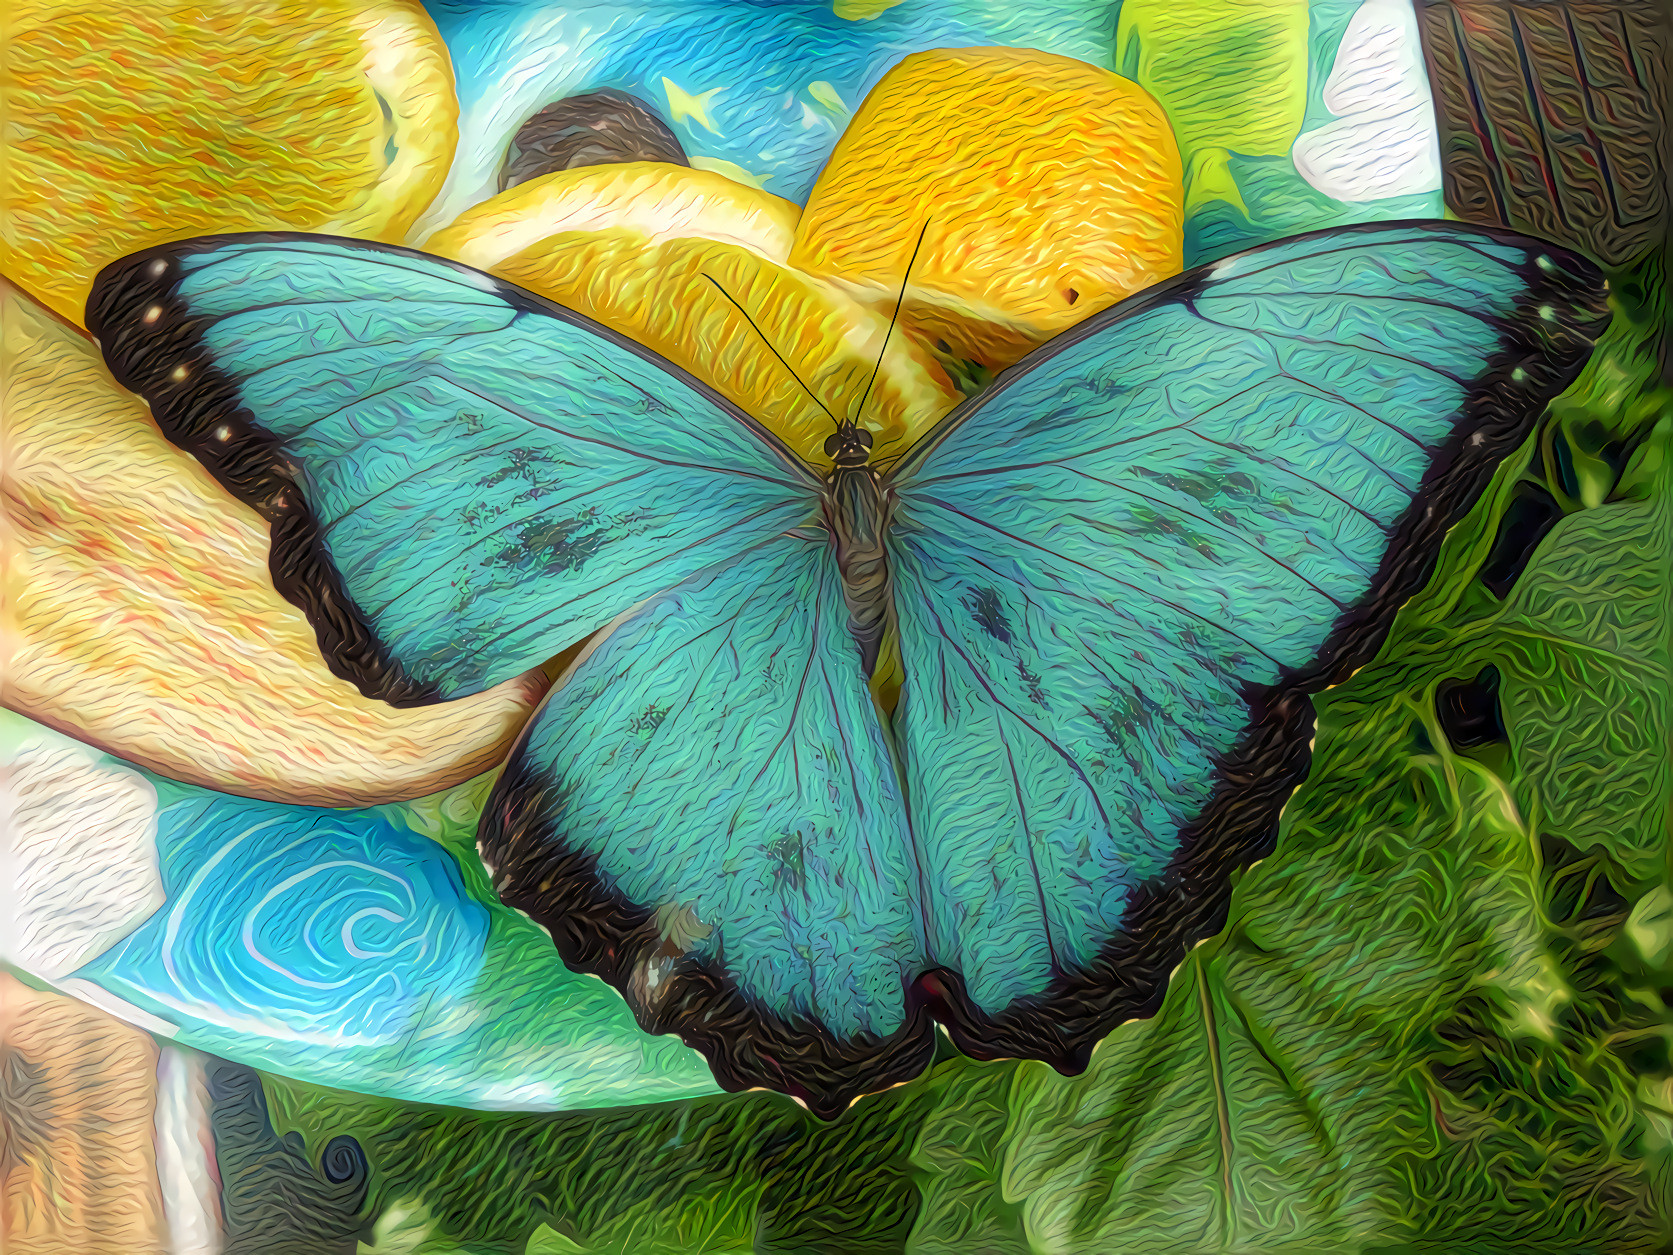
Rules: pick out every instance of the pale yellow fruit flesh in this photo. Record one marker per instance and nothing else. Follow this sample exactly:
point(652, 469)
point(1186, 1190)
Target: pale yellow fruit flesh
point(683, 261)
point(137, 123)
point(1045, 189)
point(650, 200)
point(139, 614)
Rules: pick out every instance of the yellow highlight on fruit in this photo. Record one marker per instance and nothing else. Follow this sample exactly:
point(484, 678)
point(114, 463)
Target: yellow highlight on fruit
point(140, 122)
point(660, 253)
point(1051, 189)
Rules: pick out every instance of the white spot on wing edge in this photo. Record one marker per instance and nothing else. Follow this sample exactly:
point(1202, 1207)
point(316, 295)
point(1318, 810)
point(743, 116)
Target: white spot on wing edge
point(1384, 141)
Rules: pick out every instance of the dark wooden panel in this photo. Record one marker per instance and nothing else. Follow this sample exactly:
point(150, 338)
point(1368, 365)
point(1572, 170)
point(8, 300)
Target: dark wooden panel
point(1553, 117)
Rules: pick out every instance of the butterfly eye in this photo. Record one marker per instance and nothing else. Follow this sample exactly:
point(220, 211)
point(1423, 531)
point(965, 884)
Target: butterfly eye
point(833, 443)
point(864, 437)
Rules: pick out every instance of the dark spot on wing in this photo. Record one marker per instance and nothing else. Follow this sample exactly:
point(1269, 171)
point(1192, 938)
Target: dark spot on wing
point(648, 720)
point(1202, 488)
point(1154, 523)
point(521, 463)
point(1531, 514)
point(1031, 682)
point(1218, 487)
point(985, 607)
point(548, 546)
point(1469, 710)
point(524, 463)
point(786, 852)
point(1123, 715)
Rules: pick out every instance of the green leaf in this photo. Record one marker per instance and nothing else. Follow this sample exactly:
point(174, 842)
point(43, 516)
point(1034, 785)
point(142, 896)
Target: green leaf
point(1257, 1111)
point(1591, 630)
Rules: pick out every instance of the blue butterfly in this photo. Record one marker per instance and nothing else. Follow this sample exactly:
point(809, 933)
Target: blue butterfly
point(1108, 584)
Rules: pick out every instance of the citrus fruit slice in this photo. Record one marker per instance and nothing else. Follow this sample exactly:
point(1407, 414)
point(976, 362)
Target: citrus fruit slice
point(684, 261)
point(643, 203)
point(1046, 189)
point(140, 616)
point(1231, 74)
point(135, 124)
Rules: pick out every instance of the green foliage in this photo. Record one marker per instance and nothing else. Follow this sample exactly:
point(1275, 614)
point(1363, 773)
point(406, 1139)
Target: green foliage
point(1231, 74)
point(1240, 81)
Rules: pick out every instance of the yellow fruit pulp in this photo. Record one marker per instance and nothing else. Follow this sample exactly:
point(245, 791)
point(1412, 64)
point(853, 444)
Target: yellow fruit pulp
point(136, 123)
point(660, 253)
point(1050, 189)
point(138, 613)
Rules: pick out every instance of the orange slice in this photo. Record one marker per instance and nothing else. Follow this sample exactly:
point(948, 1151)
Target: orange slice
point(136, 123)
point(654, 251)
point(1051, 189)
point(137, 612)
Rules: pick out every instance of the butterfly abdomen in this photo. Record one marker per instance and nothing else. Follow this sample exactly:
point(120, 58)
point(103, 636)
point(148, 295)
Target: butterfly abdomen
point(857, 514)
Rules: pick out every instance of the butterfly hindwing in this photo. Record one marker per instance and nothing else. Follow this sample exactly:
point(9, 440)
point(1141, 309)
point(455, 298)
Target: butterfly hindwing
point(462, 478)
point(706, 815)
point(1167, 523)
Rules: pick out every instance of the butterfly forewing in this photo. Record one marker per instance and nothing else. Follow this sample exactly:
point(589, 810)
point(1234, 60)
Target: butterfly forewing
point(464, 479)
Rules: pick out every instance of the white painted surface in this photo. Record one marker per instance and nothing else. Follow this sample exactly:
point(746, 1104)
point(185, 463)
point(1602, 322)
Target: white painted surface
point(186, 1154)
point(78, 855)
point(1383, 142)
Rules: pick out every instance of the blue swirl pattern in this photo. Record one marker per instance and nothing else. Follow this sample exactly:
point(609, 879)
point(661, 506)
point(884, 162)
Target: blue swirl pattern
point(334, 926)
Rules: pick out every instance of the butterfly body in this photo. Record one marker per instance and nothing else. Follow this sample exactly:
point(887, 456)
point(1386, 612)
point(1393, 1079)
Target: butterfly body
point(1109, 583)
point(856, 511)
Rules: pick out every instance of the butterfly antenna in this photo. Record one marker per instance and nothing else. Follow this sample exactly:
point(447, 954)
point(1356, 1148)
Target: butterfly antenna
point(905, 279)
point(775, 352)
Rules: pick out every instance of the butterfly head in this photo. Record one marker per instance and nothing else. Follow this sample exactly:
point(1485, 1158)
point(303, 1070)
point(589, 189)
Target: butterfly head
point(849, 446)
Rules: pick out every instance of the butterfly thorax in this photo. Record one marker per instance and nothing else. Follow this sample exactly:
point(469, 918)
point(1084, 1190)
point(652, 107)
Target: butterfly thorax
point(856, 512)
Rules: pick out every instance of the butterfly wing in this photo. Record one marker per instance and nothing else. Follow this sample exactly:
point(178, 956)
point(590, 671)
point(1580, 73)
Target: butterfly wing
point(706, 815)
point(462, 478)
point(1121, 569)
